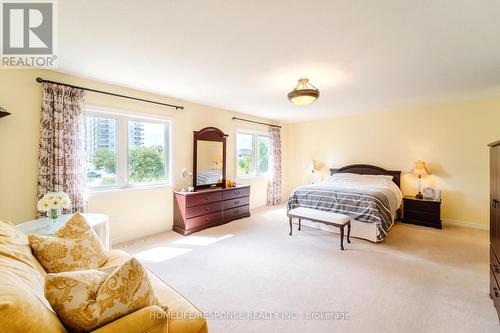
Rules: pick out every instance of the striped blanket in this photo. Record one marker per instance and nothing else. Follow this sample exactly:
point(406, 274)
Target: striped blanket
point(204, 177)
point(362, 204)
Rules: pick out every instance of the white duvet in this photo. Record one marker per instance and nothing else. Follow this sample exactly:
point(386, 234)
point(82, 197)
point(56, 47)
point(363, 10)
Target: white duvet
point(379, 183)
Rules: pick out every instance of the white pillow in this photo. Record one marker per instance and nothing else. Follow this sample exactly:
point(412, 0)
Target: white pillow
point(344, 175)
point(358, 176)
point(387, 177)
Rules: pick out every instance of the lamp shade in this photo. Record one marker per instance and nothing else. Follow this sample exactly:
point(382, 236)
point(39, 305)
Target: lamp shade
point(3, 112)
point(420, 169)
point(312, 166)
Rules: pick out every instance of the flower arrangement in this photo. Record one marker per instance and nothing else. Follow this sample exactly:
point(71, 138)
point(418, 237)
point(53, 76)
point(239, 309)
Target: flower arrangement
point(53, 203)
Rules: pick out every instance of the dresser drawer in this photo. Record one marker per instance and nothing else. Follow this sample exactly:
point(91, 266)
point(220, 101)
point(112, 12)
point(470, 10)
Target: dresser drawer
point(494, 265)
point(494, 291)
point(228, 204)
point(203, 209)
point(203, 198)
point(203, 220)
point(236, 193)
point(422, 206)
point(235, 212)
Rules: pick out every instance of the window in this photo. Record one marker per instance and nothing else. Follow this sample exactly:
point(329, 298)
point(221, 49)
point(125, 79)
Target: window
point(252, 154)
point(263, 153)
point(101, 151)
point(146, 152)
point(125, 151)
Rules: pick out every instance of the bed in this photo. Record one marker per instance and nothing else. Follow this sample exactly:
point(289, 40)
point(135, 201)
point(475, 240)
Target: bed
point(370, 195)
point(208, 176)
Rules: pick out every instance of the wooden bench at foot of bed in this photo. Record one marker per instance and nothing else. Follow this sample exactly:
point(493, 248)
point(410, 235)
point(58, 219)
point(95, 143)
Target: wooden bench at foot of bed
point(333, 219)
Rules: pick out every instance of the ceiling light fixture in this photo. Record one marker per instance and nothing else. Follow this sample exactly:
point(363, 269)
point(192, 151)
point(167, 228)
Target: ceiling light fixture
point(304, 93)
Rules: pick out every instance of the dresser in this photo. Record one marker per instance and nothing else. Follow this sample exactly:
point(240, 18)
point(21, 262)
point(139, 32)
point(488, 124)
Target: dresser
point(422, 212)
point(195, 211)
point(495, 224)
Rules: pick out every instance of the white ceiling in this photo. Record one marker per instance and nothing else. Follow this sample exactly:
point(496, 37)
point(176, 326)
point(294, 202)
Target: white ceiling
point(363, 55)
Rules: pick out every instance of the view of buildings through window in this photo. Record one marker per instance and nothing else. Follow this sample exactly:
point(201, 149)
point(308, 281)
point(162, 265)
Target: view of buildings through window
point(101, 151)
point(146, 159)
point(146, 152)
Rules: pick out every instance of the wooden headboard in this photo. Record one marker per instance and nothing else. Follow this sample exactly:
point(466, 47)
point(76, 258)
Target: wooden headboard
point(366, 169)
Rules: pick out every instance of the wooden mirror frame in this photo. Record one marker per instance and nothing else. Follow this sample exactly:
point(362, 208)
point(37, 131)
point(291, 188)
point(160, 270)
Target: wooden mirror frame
point(208, 134)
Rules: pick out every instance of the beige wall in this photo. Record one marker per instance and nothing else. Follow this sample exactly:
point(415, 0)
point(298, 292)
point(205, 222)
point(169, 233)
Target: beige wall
point(138, 212)
point(451, 139)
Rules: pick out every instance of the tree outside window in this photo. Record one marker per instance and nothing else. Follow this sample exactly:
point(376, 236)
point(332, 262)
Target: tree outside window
point(147, 158)
point(252, 151)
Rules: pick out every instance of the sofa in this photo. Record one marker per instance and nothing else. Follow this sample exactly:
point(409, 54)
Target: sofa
point(24, 308)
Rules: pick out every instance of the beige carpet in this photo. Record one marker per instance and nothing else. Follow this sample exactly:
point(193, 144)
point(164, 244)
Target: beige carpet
point(418, 280)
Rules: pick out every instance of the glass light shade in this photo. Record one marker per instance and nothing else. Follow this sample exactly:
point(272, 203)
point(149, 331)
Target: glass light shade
point(420, 169)
point(303, 100)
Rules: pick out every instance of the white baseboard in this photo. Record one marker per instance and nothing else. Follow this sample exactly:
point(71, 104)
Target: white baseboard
point(141, 237)
point(258, 205)
point(466, 224)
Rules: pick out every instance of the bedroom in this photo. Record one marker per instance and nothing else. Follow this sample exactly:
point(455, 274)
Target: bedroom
point(397, 82)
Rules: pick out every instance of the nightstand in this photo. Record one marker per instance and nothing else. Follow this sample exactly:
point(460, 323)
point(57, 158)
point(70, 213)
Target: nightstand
point(426, 212)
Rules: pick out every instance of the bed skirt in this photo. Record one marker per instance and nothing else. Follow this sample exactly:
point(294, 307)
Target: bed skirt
point(361, 230)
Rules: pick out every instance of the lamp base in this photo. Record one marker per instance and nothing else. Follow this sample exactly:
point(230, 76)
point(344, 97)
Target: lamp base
point(419, 196)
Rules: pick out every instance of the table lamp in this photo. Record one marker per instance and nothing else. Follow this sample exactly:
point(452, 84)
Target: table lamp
point(420, 170)
point(312, 166)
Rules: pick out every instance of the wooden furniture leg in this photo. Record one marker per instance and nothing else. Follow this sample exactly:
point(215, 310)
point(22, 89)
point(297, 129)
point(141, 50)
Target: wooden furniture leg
point(300, 223)
point(348, 232)
point(290, 220)
point(342, 237)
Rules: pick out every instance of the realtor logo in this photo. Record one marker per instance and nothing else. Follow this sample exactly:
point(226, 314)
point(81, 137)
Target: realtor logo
point(28, 33)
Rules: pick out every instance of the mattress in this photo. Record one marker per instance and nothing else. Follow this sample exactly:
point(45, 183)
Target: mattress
point(371, 201)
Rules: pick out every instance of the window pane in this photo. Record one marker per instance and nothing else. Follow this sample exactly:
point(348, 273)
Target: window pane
point(146, 152)
point(101, 151)
point(263, 165)
point(244, 151)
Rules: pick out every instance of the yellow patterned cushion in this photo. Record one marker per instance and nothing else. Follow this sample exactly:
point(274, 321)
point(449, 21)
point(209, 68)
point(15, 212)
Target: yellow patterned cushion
point(23, 306)
point(75, 246)
point(85, 300)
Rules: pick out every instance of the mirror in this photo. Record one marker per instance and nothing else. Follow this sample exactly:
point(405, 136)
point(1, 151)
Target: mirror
point(209, 158)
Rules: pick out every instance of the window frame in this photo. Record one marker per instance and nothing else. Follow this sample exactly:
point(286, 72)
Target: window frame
point(122, 119)
point(255, 147)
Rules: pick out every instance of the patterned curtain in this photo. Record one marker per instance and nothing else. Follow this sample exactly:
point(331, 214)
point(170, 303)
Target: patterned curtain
point(62, 144)
point(274, 182)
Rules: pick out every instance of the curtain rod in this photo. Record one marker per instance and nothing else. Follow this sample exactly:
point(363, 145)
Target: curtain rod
point(256, 122)
point(177, 107)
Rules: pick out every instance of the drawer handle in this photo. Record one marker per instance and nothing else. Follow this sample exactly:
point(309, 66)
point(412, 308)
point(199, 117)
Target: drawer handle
point(206, 219)
point(236, 202)
point(205, 198)
point(494, 204)
point(207, 209)
point(495, 290)
point(496, 269)
point(236, 211)
point(237, 192)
